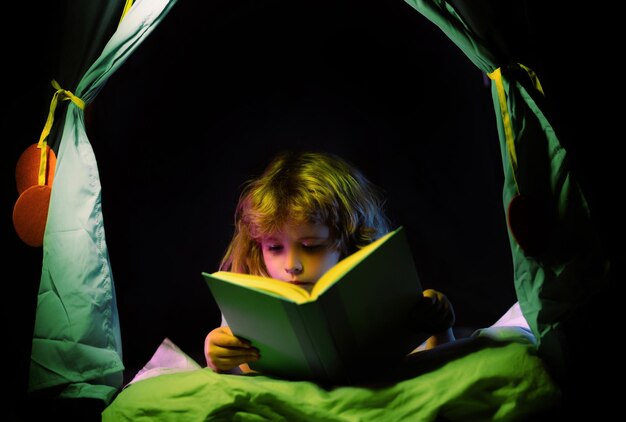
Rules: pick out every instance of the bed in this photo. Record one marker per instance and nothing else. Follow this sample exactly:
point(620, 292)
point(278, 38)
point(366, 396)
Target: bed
point(495, 374)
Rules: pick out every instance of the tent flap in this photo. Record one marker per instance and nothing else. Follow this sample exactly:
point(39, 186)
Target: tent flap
point(77, 345)
point(558, 260)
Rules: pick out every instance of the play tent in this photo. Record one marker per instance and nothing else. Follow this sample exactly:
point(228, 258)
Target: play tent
point(556, 252)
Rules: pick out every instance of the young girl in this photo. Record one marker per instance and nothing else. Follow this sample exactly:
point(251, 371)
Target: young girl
point(304, 214)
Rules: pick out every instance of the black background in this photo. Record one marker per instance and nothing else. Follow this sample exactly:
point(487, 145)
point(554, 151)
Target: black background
point(218, 88)
point(190, 117)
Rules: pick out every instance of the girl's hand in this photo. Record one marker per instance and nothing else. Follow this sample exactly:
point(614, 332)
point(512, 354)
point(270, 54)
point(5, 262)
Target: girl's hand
point(224, 352)
point(434, 315)
point(440, 314)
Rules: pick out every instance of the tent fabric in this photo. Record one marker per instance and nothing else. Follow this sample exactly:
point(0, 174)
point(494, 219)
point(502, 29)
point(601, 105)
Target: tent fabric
point(92, 25)
point(76, 342)
point(553, 283)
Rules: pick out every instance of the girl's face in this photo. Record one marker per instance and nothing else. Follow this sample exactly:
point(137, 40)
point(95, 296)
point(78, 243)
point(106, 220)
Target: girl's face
point(299, 254)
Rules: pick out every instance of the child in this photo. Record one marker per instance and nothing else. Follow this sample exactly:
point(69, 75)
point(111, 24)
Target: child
point(304, 214)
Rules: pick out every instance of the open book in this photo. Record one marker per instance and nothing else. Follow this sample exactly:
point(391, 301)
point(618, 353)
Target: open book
point(357, 317)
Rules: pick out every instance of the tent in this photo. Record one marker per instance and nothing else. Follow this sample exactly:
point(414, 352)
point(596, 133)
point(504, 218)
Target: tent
point(525, 133)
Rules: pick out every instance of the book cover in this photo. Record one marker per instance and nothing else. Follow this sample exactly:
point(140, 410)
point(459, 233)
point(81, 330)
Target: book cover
point(356, 319)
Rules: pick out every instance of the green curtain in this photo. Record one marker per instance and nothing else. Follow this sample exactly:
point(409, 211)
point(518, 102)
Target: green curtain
point(76, 342)
point(553, 281)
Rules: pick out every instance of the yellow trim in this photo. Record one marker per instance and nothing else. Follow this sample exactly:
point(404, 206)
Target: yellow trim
point(533, 77)
point(60, 95)
point(496, 76)
point(127, 6)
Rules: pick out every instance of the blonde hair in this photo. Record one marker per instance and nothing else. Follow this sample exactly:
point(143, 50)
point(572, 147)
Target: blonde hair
point(305, 187)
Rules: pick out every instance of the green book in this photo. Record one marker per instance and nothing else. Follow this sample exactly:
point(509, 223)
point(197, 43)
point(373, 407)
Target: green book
point(357, 318)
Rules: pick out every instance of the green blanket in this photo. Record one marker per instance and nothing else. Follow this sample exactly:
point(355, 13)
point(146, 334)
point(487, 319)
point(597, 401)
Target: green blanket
point(475, 380)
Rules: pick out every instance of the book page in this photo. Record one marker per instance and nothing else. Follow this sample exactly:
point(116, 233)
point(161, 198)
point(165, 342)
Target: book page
point(298, 294)
point(278, 288)
point(342, 267)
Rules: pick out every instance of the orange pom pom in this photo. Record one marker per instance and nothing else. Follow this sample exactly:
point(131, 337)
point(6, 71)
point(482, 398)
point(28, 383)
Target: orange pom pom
point(30, 214)
point(529, 222)
point(27, 168)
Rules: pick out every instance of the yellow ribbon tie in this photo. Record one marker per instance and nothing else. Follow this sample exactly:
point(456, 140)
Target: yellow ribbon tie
point(533, 77)
point(127, 6)
point(60, 95)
